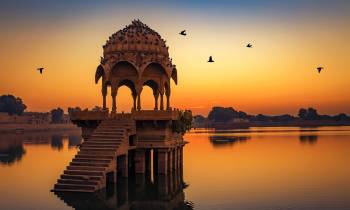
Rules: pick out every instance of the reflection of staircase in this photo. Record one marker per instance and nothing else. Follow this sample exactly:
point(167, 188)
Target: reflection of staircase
point(97, 156)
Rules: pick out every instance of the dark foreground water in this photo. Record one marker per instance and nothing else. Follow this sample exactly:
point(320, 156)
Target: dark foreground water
point(253, 169)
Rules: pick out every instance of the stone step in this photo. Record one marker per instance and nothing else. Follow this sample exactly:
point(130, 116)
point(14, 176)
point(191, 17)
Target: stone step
point(104, 133)
point(109, 133)
point(97, 154)
point(77, 182)
point(81, 177)
point(74, 163)
point(98, 146)
point(101, 130)
point(82, 172)
point(112, 132)
point(75, 187)
point(89, 160)
point(86, 168)
point(101, 138)
point(117, 126)
point(112, 141)
point(107, 138)
point(87, 149)
point(110, 157)
point(101, 143)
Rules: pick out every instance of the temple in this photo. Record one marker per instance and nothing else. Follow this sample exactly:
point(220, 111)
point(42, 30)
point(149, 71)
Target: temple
point(140, 142)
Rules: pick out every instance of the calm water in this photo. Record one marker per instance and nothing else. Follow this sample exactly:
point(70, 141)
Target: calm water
point(258, 168)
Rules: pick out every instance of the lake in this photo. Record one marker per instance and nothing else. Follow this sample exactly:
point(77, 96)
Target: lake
point(258, 168)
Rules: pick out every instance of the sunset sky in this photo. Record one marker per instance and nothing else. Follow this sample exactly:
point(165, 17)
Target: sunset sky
point(278, 75)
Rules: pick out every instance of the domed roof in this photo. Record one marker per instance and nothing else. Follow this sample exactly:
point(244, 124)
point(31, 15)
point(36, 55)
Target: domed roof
point(136, 37)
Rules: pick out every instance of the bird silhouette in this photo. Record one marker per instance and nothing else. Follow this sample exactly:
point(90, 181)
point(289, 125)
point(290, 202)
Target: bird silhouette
point(319, 69)
point(40, 70)
point(183, 33)
point(210, 59)
point(249, 45)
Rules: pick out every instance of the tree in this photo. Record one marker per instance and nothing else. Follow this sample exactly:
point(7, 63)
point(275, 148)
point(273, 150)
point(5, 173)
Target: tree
point(12, 105)
point(341, 117)
point(71, 110)
point(184, 122)
point(309, 114)
point(312, 114)
point(302, 113)
point(221, 114)
point(57, 115)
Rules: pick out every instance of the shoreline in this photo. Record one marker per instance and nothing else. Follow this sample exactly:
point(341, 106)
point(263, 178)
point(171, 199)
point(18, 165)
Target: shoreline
point(275, 124)
point(20, 128)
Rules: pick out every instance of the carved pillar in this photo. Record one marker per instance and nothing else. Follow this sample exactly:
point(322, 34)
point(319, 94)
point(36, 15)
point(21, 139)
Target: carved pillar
point(140, 162)
point(162, 161)
point(122, 165)
point(161, 101)
point(139, 90)
point(167, 101)
point(148, 160)
point(134, 96)
point(170, 160)
point(156, 95)
point(114, 99)
point(139, 101)
point(104, 94)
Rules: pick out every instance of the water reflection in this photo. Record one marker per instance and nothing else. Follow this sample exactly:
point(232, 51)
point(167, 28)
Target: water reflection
point(57, 142)
point(136, 193)
point(12, 145)
point(74, 140)
point(223, 141)
point(11, 154)
point(308, 139)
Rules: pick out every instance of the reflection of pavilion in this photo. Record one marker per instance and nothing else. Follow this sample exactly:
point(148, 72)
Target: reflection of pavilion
point(136, 193)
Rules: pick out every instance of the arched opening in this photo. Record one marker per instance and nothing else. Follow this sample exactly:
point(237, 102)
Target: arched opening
point(147, 98)
point(150, 95)
point(124, 99)
point(125, 73)
point(126, 96)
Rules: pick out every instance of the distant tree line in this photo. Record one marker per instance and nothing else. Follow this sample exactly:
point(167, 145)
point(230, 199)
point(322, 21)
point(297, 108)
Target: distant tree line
point(12, 105)
point(228, 114)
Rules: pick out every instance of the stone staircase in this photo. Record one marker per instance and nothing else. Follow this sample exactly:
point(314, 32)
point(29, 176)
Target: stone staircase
point(96, 157)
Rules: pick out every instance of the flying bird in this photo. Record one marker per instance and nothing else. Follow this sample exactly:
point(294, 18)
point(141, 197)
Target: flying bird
point(249, 45)
point(210, 59)
point(40, 70)
point(183, 33)
point(319, 69)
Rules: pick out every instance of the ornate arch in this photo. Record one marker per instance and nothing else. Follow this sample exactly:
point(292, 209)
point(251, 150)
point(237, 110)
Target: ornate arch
point(124, 69)
point(157, 65)
point(128, 83)
point(152, 84)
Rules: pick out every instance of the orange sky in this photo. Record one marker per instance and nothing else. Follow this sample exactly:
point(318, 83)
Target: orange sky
point(276, 76)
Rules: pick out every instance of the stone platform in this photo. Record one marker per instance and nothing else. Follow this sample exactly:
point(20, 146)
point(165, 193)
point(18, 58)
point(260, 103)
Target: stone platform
point(118, 144)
